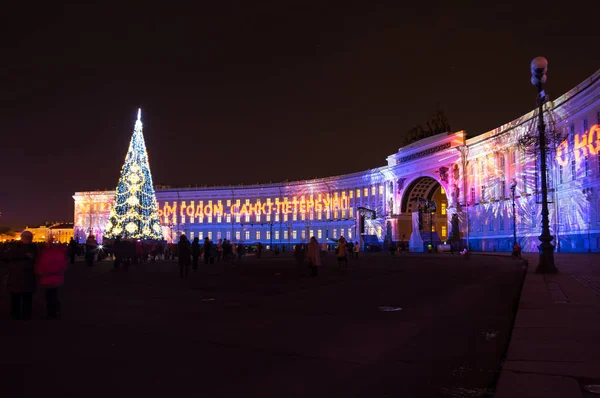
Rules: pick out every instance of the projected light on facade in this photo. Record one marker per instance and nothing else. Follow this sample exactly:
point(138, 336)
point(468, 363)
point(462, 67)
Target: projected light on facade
point(467, 177)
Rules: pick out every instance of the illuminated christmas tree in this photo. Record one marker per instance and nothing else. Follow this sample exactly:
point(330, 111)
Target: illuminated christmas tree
point(135, 213)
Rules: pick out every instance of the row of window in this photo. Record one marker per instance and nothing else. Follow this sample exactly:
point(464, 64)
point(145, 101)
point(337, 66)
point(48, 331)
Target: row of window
point(293, 234)
point(258, 218)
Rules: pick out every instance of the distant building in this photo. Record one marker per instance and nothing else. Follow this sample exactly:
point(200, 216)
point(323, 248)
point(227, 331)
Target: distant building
point(58, 232)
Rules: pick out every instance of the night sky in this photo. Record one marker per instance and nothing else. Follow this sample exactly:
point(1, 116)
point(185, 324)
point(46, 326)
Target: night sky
point(246, 92)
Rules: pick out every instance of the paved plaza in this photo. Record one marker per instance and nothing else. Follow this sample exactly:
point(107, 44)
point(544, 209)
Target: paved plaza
point(410, 326)
point(554, 349)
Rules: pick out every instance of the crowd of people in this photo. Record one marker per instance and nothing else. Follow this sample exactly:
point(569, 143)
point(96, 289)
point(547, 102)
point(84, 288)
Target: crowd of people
point(32, 266)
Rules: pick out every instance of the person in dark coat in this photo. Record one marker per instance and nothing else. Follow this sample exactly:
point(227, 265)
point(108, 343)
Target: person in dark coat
point(259, 249)
point(207, 249)
point(90, 250)
point(183, 255)
point(73, 249)
point(195, 253)
point(118, 252)
point(21, 275)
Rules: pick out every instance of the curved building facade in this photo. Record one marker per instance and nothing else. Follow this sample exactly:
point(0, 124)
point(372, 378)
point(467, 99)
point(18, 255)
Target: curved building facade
point(469, 178)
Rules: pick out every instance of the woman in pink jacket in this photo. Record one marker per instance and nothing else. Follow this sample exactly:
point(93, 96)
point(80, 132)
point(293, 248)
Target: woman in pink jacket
point(50, 267)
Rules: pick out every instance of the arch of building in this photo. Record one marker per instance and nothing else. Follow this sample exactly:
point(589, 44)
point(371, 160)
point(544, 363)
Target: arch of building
point(474, 173)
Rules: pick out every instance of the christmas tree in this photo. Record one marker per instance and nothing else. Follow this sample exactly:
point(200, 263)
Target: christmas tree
point(135, 213)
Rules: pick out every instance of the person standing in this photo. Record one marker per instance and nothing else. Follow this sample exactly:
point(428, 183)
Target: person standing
point(342, 252)
point(183, 248)
point(356, 249)
point(314, 256)
point(51, 267)
point(207, 248)
point(195, 253)
point(299, 254)
point(219, 250)
point(90, 250)
point(73, 248)
point(21, 276)
point(259, 248)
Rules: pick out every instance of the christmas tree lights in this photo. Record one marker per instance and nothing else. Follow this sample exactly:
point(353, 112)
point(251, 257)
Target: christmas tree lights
point(135, 212)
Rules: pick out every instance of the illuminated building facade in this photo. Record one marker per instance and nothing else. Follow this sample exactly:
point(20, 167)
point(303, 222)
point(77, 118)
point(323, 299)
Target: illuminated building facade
point(58, 232)
point(467, 177)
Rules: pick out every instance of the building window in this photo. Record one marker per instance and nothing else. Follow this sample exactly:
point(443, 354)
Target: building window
point(491, 225)
point(501, 155)
point(358, 193)
point(209, 219)
point(513, 156)
point(228, 202)
point(586, 164)
point(379, 231)
point(444, 231)
point(268, 233)
point(277, 217)
point(295, 216)
point(349, 233)
point(218, 234)
point(219, 219)
point(285, 234)
point(573, 170)
point(228, 235)
point(372, 190)
point(503, 189)
point(247, 235)
point(210, 235)
point(560, 174)
point(381, 189)
point(334, 233)
point(257, 217)
point(366, 191)
point(285, 217)
point(303, 234)
point(237, 218)
point(320, 233)
point(294, 235)
point(192, 235)
point(444, 209)
point(341, 232)
point(501, 222)
point(257, 235)
point(276, 235)
point(247, 217)
point(472, 195)
point(268, 217)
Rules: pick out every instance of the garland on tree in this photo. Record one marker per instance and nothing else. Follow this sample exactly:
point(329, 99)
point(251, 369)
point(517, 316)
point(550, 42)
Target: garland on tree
point(134, 213)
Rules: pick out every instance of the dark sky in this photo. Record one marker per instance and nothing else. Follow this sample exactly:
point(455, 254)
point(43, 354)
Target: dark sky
point(248, 91)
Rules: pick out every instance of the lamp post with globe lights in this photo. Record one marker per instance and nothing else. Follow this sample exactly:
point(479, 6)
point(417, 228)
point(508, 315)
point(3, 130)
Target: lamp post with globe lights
point(539, 67)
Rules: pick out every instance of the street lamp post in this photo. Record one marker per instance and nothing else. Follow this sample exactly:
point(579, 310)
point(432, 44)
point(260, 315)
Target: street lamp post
point(513, 187)
point(588, 192)
point(539, 67)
